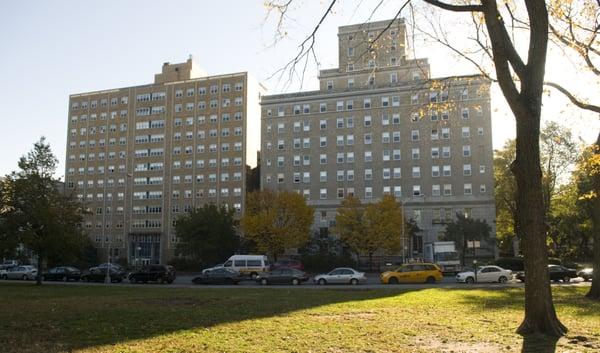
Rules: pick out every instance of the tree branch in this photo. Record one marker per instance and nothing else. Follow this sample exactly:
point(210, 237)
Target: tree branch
point(572, 98)
point(455, 8)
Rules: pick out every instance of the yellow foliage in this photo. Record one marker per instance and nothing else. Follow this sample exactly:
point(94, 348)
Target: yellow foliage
point(277, 221)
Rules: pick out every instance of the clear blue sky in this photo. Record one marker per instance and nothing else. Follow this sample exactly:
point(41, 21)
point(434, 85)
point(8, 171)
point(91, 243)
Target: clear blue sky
point(51, 49)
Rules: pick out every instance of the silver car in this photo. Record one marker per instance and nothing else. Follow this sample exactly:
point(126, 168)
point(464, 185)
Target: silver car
point(22, 272)
point(341, 275)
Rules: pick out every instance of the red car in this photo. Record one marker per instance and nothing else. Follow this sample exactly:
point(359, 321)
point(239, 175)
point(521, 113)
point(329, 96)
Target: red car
point(294, 264)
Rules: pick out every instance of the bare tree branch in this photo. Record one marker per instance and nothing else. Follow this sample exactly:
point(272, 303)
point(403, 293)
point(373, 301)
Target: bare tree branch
point(572, 98)
point(455, 8)
point(306, 48)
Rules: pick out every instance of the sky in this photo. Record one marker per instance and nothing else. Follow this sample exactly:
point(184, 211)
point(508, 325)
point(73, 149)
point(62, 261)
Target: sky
point(51, 49)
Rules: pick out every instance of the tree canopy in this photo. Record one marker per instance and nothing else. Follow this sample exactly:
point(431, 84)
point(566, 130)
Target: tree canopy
point(36, 214)
point(276, 222)
point(207, 234)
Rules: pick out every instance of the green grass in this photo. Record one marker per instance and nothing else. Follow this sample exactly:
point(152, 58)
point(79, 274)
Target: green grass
point(154, 319)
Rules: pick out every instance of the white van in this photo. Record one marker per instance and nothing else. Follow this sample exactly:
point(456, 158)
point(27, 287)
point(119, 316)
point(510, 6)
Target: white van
point(249, 265)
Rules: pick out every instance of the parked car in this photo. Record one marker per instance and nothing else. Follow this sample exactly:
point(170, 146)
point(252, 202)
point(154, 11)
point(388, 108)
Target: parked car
point(341, 275)
point(111, 265)
point(587, 274)
point(97, 274)
point(154, 273)
point(413, 273)
point(21, 272)
point(282, 276)
point(3, 273)
point(248, 265)
point(556, 273)
point(212, 268)
point(485, 274)
point(295, 264)
point(219, 276)
point(63, 273)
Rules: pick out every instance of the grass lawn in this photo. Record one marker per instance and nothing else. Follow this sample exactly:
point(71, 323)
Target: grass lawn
point(56, 318)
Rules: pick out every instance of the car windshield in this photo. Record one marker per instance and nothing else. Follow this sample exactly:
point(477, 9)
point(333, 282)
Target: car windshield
point(447, 256)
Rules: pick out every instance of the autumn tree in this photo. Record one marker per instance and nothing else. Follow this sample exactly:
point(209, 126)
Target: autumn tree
point(276, 222)
point(36, 214)
point(588, 181)
point(505, 192)
point(370, 228)
point(569, 224)
point(350, 225)
point(558, 153)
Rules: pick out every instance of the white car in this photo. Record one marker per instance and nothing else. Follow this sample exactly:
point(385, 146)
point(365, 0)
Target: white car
point(22, 272)
point(485, 274)
point(206, 270)
point(342, 275)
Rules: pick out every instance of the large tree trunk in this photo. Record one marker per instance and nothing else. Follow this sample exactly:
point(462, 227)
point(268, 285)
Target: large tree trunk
point(594, 292)
point(540, 316)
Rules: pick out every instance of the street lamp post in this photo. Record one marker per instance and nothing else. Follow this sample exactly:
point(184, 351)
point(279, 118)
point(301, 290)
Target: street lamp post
point(475, 270)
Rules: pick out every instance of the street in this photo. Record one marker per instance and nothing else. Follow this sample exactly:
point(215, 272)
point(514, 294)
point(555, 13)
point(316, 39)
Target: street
point(185, 281)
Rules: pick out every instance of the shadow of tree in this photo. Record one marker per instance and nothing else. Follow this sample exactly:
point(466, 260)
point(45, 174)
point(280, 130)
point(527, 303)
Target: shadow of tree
point(539, 344)
point(86, 316)
point(569, 299)
point(62, 318)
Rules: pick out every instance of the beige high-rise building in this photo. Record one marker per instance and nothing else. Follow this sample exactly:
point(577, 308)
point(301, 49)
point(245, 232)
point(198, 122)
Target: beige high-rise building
point(138, 157)
point(379, 124)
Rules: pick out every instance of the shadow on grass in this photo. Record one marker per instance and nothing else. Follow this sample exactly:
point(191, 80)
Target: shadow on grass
point(571, 299)
point(64, 318)
point(538, 344)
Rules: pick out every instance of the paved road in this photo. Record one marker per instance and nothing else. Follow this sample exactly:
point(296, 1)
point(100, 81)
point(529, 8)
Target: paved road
point(185, 281)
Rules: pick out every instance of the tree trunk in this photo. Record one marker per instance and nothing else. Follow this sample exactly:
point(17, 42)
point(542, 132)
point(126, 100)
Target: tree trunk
point(38, 280)
point(540, 316)
point(594, 292)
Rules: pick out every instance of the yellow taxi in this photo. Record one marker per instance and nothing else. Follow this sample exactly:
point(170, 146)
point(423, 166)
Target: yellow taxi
point(413, 273)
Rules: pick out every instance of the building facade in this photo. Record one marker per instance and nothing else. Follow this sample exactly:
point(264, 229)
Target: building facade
point(140, 156)
point(379, 124)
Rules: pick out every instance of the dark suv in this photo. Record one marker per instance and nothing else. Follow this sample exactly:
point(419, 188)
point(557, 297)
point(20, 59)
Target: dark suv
point(153, 273)
point(293, 264)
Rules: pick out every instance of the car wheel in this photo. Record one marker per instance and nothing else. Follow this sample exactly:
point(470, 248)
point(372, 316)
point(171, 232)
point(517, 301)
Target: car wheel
point(65, 279)
point(160, 280)
point(264, 282)
point(322, 281)
point(502, 279)
point(25, 278)
point(295, 282)
point(353, 281)
point(393, 280)
point(567, 279)
point(430, 279)
point(132, 280)
point(470, 280)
